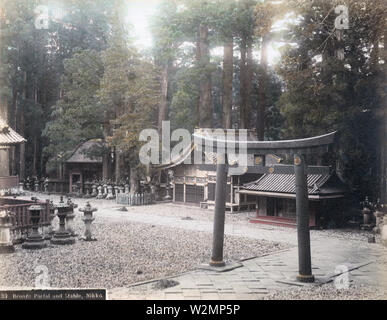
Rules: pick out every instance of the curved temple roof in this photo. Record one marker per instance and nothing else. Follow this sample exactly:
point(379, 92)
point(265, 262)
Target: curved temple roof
point(8, 136)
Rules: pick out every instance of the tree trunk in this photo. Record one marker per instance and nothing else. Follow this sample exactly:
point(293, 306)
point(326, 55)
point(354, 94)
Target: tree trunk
point(383, 135)
point(249, 82)
point(22, 169)
point(118, 166)
point(105, 166)
point(133, 180)
point(242, 84)
point(205, 99)
point(164, 95)
point(228, 66)
point(36, 137)
point(198, 61)
point(262, 90)
point(35, 157)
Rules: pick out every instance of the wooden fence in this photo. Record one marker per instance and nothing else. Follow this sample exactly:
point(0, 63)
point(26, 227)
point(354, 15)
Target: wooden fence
point(136, 199)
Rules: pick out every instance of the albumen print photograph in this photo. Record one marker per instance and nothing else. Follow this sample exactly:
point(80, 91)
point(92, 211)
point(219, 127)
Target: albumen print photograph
point(199, 150)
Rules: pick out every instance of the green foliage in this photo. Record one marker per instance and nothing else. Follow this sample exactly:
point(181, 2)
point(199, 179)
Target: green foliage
point(129, 93)
point(325, 93)
point(78, 115)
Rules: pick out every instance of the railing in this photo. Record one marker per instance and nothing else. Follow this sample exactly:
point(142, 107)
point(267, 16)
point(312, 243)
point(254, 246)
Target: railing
point(21, 220)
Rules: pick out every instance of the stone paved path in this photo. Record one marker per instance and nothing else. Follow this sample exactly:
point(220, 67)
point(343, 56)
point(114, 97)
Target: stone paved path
point(260, 276)
point(257, 277)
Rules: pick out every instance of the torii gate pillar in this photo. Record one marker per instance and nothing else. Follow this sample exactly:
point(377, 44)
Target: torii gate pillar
point(302, 210)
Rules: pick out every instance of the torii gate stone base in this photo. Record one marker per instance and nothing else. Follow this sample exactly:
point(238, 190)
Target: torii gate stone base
point(298, 148)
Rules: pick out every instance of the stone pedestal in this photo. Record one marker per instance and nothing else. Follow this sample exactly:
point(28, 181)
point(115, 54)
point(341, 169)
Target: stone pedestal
point(88, 219)
point(70, 223)
point(62, 236)
point(6, 245)
point(35, 240)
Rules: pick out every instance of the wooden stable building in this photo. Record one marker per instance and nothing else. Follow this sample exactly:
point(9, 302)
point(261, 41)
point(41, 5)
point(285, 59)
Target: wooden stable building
point(81, 168)
point(71, 174)
point(275, 197)
point(194, 184)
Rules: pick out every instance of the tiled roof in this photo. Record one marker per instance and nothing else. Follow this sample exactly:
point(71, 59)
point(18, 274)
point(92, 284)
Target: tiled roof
point(8, 136)
point(286, 183)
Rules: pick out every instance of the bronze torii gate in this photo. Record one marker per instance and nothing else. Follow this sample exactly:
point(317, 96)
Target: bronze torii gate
point(298, 148)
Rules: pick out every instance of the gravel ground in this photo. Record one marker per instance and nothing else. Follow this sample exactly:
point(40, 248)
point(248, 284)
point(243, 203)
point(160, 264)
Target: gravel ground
point(195, 213)
point(328, 292)
point(242, 218)
point(125, 253)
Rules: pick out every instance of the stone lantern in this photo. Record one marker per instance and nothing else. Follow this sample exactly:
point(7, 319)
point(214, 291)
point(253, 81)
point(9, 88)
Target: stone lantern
point(36, 185)
point(105, 190)
point(21, 187)
point(100, 193)
point(62, 236)
point(367, 214)
point(378, 217)
point(35, 240)
point(70, 217)
point(88, 219)
point(169, 185)
point(28, 184)
point(6, 245)
point(110, 194)
point(94, 190)
point(52, 216)
point(45, 185)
